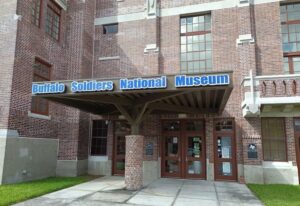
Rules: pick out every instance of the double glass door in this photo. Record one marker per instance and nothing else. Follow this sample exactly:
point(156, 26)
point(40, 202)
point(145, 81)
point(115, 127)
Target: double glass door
point(183, 149)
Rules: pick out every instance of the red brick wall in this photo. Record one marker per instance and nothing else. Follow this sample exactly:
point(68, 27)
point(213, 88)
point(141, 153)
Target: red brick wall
point(112, 8)
point(174, 3)
point(8, 33)
point(70, 58)
point(268, 39)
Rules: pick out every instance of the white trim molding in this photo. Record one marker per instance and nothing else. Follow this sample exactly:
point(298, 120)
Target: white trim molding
point(62, 4)
point(245, 39)
point(151, 48)
point(180, 10)
point(109, 58)
point(39, 116)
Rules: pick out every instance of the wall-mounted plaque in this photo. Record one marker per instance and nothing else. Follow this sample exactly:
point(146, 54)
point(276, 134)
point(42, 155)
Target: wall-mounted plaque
point(252, 151)
point(149, 149)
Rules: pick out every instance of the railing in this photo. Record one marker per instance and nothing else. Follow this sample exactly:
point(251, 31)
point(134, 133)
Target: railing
point(269, 90)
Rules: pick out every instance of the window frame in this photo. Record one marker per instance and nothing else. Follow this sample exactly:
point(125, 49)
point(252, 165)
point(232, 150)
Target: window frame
point(104, 30)
point(37, 99)
point(285, 140)
point(99, 137)
point(195, 33)
point(289, 55)
point(34, 17)
point(50, 6)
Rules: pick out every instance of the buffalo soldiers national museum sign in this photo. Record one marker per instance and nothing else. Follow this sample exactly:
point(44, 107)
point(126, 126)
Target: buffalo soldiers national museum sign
point(132, 84)
point(197, 93)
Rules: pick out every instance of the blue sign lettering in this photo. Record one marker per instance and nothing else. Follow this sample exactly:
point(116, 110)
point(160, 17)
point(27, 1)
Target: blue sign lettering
point(139, 83)
point(48, 88)
point(195, 81)
point(92, 86)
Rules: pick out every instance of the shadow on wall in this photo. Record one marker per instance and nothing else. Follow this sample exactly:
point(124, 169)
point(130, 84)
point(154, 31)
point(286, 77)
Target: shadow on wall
point(122, 54)
point(256, 170)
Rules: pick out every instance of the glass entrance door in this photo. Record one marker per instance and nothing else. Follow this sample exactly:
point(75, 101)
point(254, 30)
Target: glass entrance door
point(121, 128)
point(194, 150)
point(225, 150)
point(183, 149)
point(171, 149)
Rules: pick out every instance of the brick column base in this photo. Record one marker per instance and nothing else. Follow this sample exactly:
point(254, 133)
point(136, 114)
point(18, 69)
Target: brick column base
point(134, 162)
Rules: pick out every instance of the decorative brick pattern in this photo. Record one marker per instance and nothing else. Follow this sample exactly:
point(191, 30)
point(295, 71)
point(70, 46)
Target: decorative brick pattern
point(134, 162)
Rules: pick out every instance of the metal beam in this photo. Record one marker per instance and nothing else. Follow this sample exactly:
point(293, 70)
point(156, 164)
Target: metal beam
point(90, 107)
point(157, 97)
point(125, 113)
point(175, 108)
point(225, 99)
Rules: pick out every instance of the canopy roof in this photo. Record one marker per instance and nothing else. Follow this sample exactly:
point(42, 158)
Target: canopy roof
point(196, 93)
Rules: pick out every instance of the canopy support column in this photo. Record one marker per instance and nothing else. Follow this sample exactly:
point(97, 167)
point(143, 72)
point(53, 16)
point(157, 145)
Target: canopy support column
point(134, 162)
point(134, 147)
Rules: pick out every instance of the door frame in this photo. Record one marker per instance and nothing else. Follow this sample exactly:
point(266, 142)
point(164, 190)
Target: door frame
point(297, 146)
point(114, 171)
point(234, 151)
point(182, 139)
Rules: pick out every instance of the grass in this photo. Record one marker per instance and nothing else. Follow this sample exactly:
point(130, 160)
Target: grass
point(11, 194)
point(277, 195)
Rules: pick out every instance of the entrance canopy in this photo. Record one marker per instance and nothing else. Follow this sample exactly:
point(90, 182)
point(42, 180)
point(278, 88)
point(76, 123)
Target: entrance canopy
point(135, 97)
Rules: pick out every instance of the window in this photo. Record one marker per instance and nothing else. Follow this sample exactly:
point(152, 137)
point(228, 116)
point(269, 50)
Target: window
point(41, 72)
point(36, 12)
point(53, 20)
point(196, 44)
point(273, 139)
point(110, 29)
point(99, 137)
point(290, 28)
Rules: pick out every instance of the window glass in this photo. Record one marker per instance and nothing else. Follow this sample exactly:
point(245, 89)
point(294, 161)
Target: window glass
point(110, 29)
point(35, 12)
point(290, 34)
point(274, 140)
point(196, 44)
point(296, 64)
point(297, 125)
point(53, 20)
point(41, 72)
point(99, 137)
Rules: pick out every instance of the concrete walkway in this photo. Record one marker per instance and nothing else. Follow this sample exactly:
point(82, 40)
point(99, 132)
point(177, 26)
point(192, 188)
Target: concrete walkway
point(165, 192)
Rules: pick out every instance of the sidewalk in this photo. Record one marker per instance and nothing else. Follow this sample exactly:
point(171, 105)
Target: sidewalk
point(162, 192)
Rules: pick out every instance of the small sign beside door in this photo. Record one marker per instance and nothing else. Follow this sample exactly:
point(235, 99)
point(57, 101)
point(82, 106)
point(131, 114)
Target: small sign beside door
point(149, 149)
point(252, 151)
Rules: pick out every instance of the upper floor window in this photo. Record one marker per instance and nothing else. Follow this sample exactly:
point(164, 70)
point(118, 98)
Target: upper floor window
point(41, 72)
point(53, 20)
point(36, 12)
point(290, 28)
point(99, 137)
point(273, 139)
point(110, 29)
point(196, 44)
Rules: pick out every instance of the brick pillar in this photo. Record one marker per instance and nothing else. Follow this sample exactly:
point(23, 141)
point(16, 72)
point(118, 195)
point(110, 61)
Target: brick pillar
point(134, 162)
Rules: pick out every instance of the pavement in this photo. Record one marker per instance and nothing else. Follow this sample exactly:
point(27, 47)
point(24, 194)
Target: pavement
point(162, 192)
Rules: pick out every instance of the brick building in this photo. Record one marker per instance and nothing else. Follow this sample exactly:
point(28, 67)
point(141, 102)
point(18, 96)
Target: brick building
point(246, 130)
